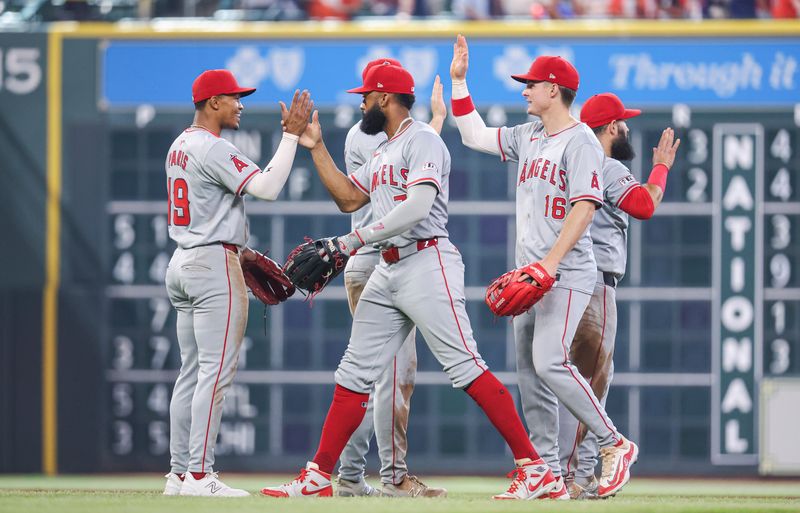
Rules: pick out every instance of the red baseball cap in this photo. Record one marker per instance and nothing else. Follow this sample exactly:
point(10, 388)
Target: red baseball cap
point(548, 68)
point(602, 109)
point(386, 78)
point(214, 82)
point(378, 62)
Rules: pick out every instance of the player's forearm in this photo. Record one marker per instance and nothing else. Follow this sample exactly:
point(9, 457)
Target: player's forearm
point(400, 219)
point(474, 132)
point(657, 183)
point(268, 184)
point(437, 122)
point(575, 225)
point(346, 195)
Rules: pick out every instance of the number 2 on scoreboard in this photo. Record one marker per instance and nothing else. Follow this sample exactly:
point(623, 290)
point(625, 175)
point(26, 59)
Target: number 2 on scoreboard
point(178, 202)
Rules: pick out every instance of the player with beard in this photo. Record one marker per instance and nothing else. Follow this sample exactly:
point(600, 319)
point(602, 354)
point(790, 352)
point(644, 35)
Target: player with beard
point(419, 282)
point(592, 348)
point(390, 404)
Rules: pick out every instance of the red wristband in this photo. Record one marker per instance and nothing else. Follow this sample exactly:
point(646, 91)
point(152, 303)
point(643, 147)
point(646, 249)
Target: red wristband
point(658, 176)
point(462, 106)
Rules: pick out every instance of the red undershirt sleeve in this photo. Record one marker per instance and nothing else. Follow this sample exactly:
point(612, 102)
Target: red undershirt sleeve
point(638, 203)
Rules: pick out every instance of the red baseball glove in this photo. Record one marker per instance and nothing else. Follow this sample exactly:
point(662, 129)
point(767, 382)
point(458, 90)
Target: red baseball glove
point(515, 292)
point(266, 280)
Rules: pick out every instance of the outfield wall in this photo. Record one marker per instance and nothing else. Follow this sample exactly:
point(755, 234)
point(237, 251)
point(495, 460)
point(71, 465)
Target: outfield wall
point(88, 349)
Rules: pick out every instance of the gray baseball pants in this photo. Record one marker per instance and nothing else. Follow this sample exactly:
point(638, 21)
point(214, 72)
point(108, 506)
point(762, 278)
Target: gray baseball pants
point(547, 377)
point(206, 287)
point(592, 353)
point(425, 289)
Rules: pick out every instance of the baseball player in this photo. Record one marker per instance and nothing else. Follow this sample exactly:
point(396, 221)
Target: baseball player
point(592, 348)
point(419, 281)
point(390, 403)
point(559, 187)
point(207, 178)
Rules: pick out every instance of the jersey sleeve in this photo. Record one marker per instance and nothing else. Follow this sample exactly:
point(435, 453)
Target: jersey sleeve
point(585, 173)
point(619, 182)
point(426, 157)
point(353, 158)
point(360, 178)
point(229, 167)
point(509, 141)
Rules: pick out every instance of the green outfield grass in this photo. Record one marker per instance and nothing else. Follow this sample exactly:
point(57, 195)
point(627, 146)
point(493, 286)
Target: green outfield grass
point(137, 493)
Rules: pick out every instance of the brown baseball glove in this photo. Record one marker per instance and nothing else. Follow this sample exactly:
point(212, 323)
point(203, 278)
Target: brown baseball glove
point(266, 280)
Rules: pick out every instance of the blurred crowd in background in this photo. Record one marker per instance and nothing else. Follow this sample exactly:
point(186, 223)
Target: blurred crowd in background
point(261, 10)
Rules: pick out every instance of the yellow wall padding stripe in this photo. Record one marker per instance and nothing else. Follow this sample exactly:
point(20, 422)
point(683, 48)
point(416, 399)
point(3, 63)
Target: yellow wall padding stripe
point(535, 30)
point(52, 259)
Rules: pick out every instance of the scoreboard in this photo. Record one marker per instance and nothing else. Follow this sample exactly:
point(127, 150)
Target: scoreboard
point(709, 305)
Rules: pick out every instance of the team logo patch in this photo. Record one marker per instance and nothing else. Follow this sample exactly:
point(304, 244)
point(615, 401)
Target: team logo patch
point(239, 163)
point(595, 181)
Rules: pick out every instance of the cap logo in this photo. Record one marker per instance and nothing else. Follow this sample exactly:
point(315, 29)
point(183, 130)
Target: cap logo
point(412, 89)
point(552, 76)
point(380, 85)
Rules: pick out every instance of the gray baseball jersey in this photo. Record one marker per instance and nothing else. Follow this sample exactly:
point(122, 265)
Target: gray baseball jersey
point(358, 148)
point(610, 224)
point(206, 178)
point(416, 154)
point(554, 172)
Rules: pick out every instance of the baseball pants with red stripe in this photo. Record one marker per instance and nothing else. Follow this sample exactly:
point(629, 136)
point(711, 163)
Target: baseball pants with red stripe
point(547, 377)
point(592, 353)
point(389, 404)
point(425, 289)
point(206, 287)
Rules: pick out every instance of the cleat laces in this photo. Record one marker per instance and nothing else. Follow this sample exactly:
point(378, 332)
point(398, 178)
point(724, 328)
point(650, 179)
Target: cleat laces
point(608, 464)
point(519, 476)
point(301, 478)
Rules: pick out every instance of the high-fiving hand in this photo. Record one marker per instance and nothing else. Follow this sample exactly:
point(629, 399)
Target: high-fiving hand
point(295, 118)
point(667, 147)
point(438, 107)
point(460, 63)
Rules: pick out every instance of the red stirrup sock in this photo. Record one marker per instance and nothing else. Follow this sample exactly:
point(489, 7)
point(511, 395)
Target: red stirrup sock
point(344, 416)
point(495, 400)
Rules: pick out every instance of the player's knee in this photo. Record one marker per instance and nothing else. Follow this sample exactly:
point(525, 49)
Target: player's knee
point(548, 368)
point(464, 373)
point(352, 379)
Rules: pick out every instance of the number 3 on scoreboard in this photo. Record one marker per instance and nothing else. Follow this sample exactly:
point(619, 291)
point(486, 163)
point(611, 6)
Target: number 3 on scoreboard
point(178, 200)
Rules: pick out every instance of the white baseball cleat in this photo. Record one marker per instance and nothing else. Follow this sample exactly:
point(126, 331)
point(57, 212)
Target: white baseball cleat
point(312, 482)
point(559, 491)
point(531, 480)
point(617, 460)
point(174, 484)
point(209, 486)
point(360, 488)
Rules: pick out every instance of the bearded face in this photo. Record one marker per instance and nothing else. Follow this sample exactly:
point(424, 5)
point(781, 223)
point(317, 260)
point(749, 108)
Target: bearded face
point(621, 148)
point(373, 120)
